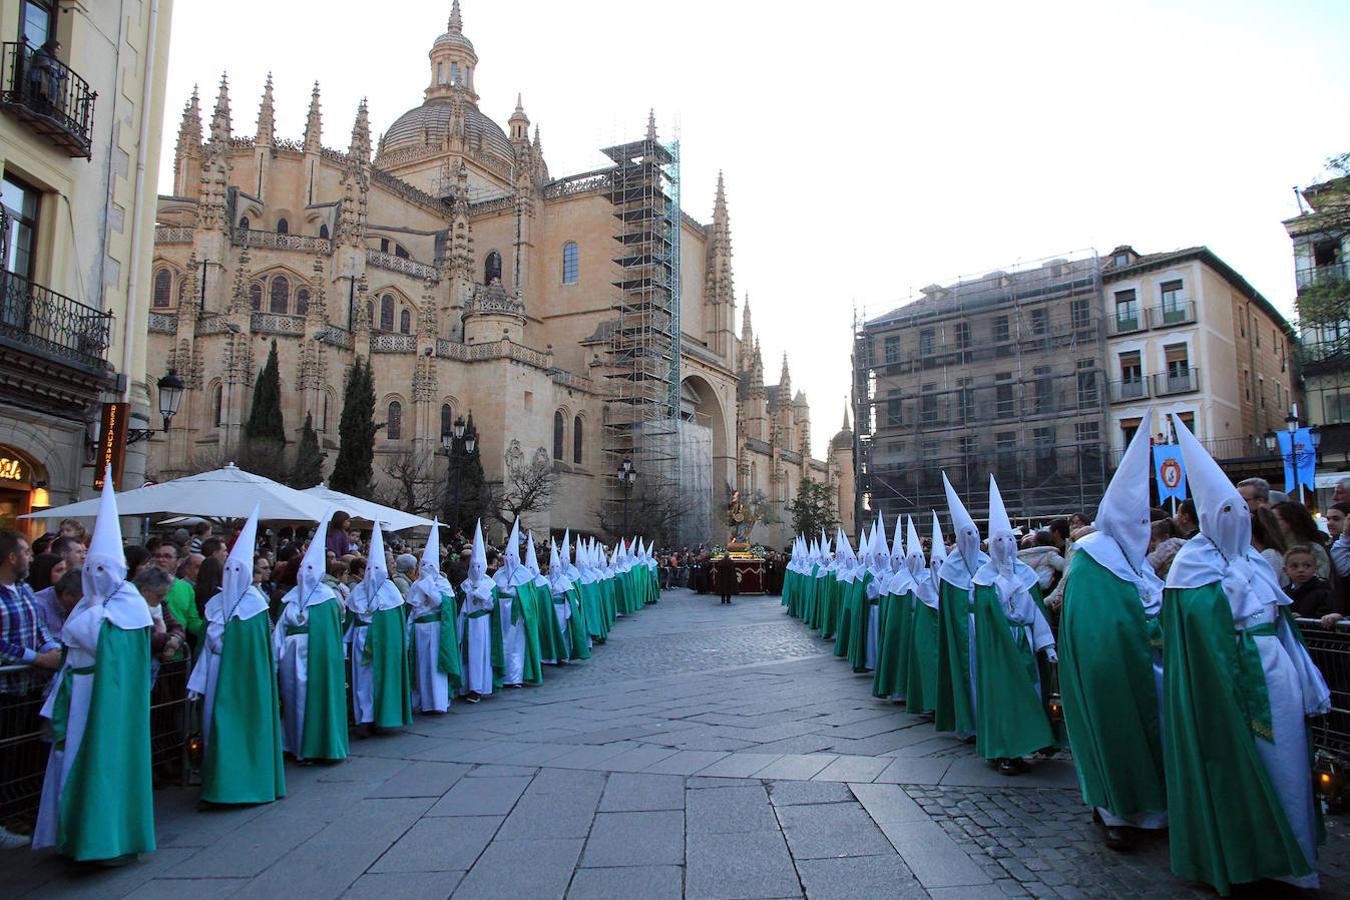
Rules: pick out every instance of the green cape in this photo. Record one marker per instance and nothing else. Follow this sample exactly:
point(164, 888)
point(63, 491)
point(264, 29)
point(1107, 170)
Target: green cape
point(387, 645)
point(242, 763)
point(577, 628)
point(894, 616)
point(326, 687)
point(921, 673)
point(526, 608)
point(1010, 718)
point(952, 703)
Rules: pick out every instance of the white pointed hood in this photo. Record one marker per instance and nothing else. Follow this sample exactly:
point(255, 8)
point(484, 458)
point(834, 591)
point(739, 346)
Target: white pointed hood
point(104, 575)
point(430, 565)
point(237, 597)
point(532, 562)
point(1222, 551)
point(377, 569)
point(376, 591)
point(558, 580)
point(925, 579)
point(309, 587)
point(1012, 577)
point(843, 557)
point(937, 550)
point(572, 569)
point(898, 547)
point(477, 581)
point(967, 558)
point(430, 584)
point(513, 572)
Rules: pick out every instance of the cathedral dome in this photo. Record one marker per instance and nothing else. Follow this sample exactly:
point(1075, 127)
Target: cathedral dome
point(430, 124)
point(842, 441)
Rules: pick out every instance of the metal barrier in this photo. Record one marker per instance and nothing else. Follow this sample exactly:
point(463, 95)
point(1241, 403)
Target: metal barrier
point(1330, 650)
point(25, 740)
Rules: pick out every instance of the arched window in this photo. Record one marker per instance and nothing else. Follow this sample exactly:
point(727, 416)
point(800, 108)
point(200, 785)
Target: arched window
point(558, 435)
point(570, 263)
point(182, 290)
point(283, 227)
point(405, 322)
point(370, 312)
point(280, 295)
point(323, 232)
point(215, 406)
point(302, 301)
point(394, 427)
point(401, 252)
point(440, 73)
point(255, 296)
point(447, 414)
point(243, 223)
point(323, 417)
point(492, 268)
point(576, 440)
point(454, 73)
point(163, 288)
point(387, 312)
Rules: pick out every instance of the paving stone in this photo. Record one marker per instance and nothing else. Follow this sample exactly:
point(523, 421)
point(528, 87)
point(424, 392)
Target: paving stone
point(853, 768)
point(534, 869)
point(740, 765)
point(501, 771)
point(421, 779)
point(198, 888)
point(796, 767)
point(631, 792)
point(250, 850)
point(887, 803)
point(481, 797)
point(700, 783)
point(729, 811)
point(638, 759)
point(976, 772)
point(934, 858)
point(686, 762)
point(315, 870)
point(798, 793)
point(646, 882)
point(538, 754)
point(401, 885)
point(447, 844)
point(553, 814)
point(850, 878)
point(743, 866)
point(831, 830)
point(635, 838)
point(909, 770)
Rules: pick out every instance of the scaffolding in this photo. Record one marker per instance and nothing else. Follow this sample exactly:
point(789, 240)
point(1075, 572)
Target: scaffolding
point(643, 365)
point(1001, 374)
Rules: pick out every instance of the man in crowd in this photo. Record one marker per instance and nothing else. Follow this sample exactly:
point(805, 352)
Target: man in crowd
point(405, 572)
point(1186, 521)
point(55, 603)
point(215, 547)
point(1256, 491)
point(181, 599)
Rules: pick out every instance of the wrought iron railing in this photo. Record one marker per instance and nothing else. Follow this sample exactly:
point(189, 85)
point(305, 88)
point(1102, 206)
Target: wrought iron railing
point(53, 324)
point(1177, 312)
point(1127, 391)
point(1126, 322)
point(1318, 275)
point(1180, 381)
point(44, 92)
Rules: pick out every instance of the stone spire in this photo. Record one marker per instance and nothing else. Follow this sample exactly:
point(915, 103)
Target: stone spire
point(719, 287)
point(356, 183)
point(784, 382)
point(190, 128)
point(314, 123)
point(651, 124)
point(456, 23)
point(747, 332)
point(220, 117)
point(267, 124)
point(359, 149)
point(756, 371)
point(846, 426)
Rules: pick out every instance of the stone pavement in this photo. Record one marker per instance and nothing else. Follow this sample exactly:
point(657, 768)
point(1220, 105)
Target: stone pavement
point(704, 752)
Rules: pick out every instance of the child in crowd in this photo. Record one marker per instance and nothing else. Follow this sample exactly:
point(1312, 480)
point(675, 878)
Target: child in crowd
point(1311, 594)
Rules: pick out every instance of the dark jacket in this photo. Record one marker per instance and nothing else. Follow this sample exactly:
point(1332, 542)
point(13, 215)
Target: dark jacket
point(724, 572)
point(1312, 599)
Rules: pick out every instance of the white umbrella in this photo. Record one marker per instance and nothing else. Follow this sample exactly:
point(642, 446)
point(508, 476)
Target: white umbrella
point(390, 519)
point(228, 493)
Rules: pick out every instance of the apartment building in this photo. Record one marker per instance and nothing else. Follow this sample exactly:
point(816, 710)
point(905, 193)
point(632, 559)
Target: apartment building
point(81, 106)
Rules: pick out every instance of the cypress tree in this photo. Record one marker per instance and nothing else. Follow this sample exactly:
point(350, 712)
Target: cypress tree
point(264, 440)
point(308, 470)
point(475, 494)
point(353, 472)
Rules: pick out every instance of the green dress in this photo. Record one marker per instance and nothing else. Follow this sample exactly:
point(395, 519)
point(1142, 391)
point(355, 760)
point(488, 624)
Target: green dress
point(387, 651)
point(1111, 705)
point(953, 706)
point(1011, 719)
point(526, 611)
point(326, 685)
point(243, 761)
point(894, 617)
point(448, 658)
point(921, 672)
point(578, 628)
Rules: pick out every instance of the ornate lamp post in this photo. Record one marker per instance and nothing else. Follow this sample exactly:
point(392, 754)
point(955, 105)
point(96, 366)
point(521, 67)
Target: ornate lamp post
point(170, 397)
point(450, 440)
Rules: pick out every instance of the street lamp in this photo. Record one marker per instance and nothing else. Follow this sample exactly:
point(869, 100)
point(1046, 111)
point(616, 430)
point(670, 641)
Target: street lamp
point(450, 437)
point(626, 475)
point(170, 397)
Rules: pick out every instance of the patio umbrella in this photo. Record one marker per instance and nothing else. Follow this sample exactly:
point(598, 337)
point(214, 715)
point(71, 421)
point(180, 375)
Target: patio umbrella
point(390, 518)
point(228, 493)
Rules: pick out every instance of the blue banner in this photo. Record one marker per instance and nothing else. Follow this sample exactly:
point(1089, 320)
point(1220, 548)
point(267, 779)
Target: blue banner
point(1170, 471)
point(1300, 460)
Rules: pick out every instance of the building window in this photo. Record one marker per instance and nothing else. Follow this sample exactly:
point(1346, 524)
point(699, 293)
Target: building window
point(1045, 390)
point(323, 416)
point(965, 399)
point(1087, 383)
point(387, 312)
point(36, 22)
point(928, 406)
point(163, 290)
point(216, 406)
point(283, 227)
point(1040, 320)
point(558, 435)
point(323, 232)
point(302, 301)
point(1005, 454)
point(894, 411)
point(1003, 394)
point(1127, 311)
point(1179, 368)
point(1080, 312)
point(447, 415)
point(405, 322)
point(255, 296)
point(968, 446)
point(401, 252)
point(492, 268)
point(1131, 376)
point(454, 73)
point(892, 349)
point(961, 335)
point(440, 73)
point(1086, 432)
point(243, 223)
point(1044, 441)
point(280, 294)
point(571, 263)
point(393, 428)
point(927, 342)
point(1173, 304)
point(21, 203)
point(576, 440)
point(999, 329)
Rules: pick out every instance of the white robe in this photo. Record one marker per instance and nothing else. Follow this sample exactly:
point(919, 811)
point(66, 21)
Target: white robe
point(477, 638)
point(362, 606)
point(206, 671)
point(291, 653)
point(430, 686)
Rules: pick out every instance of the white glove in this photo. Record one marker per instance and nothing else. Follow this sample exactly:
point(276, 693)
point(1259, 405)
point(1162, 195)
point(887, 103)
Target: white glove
point(1051, 655)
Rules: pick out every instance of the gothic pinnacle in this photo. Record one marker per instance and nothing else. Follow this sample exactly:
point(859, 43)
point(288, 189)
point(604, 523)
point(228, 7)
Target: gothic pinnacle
point(220, 117)
point(456, 22)
point(266, 130)
point(651, 124)
point(360, 146)
point(313, 123)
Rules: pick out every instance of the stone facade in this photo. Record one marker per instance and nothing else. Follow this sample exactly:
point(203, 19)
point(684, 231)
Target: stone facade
point(476, 282)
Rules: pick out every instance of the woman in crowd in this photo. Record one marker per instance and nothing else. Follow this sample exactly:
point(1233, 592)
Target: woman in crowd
point(1268, 539)
point(1299, 528)
point(46, 570)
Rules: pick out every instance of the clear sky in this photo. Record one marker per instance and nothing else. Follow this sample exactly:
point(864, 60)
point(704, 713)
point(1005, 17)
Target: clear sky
point(869, 148)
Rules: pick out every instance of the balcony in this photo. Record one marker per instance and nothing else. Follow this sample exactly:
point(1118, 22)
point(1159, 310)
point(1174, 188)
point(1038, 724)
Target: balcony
point(270, 240)
point(1314, 276)
point(37, 319)
point(1129, 391)
point(42, 91)
point(1177, 381)
point(1124, 322)
point(1179, 312)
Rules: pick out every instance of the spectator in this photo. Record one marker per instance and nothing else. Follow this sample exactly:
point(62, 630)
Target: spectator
point(1311, 595)
point(1340, 548)
point(74, 528)
point(1268, 539)
point(1045, 559)
point(189, 567)
point(71, 550)
point(181, 537)
point(180, 598)
point(1163, 544)
point(1186, 520)
point(55, 603)
point(200, 532)
point(1076, 521)
point(339, 538)
point(1060, 529)
point(209, 577)
point(262, 576)
point(1276, 497)
point(167, 636)
point(1340, 495)
point(1256, 491)
point(46, 570)
point(136, 556)
point(405, 572)
point(214, 548)
point(1299, 528)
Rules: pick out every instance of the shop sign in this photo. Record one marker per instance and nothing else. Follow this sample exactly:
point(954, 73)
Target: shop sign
point(112, 443)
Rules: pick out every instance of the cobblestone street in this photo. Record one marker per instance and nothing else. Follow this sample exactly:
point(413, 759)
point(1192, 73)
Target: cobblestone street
point(704, 751)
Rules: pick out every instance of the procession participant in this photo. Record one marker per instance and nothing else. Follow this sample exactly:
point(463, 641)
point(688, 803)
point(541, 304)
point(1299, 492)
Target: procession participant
point(379, 645)
point(953, 703)
point(588, 587)
point(605, 566)
point(1110, 670)
point(433, 632)
point(881, 572)
point(845, 569)
point(653, 573)
point(96, 800)
point(817, 590)
point(895, 613)
point(582, 631)
point(565, 591)
point(1013, 643)
point(235, 677)
point(875, 567)
point(482, 643)
point(307, 643)
point(517, 611)
point(1237, 688)
point(920, 676)
point(551, 615)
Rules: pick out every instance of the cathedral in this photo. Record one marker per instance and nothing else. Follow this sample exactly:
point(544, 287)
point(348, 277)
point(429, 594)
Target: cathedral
point(556, 311)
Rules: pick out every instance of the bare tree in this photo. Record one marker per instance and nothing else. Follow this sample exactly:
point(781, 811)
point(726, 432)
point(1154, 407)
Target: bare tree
point(655, 509)
point(412, 483)
point(526, 486)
